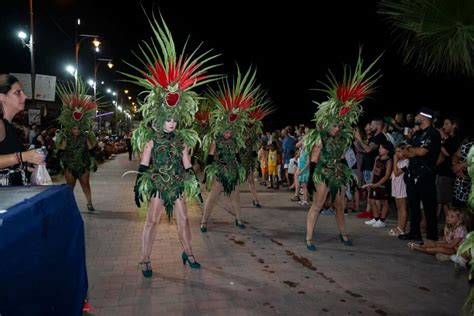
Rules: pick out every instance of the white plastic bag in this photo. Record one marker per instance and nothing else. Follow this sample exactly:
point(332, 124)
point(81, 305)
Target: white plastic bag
point(40, 176)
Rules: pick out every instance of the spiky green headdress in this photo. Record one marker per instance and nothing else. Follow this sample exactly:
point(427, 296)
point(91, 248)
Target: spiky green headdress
point(232, 103)
point(437, 34)
point(78, 108)
point(343, 106)
point(201, 124)
point(169, 77)
point(257, 113)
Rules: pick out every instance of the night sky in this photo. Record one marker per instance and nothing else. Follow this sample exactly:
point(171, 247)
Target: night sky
point(292, 45)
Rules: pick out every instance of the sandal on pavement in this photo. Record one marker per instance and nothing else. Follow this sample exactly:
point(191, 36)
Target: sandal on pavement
point(396, 231)
point(411, 245)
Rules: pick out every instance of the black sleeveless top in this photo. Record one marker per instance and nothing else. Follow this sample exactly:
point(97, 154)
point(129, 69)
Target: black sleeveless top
point(11, 143)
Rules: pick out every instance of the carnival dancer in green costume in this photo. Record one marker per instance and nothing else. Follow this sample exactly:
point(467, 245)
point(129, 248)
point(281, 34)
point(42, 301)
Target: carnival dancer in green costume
point(76, 140)
point(328, 142)
point(229, 120)
point(164, 137)
point(248, 154)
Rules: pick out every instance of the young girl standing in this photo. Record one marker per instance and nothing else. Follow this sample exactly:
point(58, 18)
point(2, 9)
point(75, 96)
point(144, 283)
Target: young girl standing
point(378, 187)
point(399, 192)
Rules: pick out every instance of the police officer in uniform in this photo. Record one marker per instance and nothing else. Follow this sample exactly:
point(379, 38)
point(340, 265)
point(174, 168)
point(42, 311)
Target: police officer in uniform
point(422, 151)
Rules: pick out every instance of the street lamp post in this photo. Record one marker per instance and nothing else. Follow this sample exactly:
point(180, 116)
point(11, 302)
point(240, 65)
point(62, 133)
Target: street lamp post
point(32, 53)
point(94, 84)
point(115, 103)
point(78, 45)
point(78, 40)
point(30, 46)
point(96, 66)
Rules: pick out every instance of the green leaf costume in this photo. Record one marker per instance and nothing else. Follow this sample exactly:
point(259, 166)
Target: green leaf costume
point(342, 109)
point(232, 104)
point(166, 177)
point(169, 77)
point(228, 171)
point(76, 158)
point(77, 111)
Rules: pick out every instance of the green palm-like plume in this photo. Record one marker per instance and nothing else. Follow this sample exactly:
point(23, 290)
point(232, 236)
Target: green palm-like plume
point(437, 35)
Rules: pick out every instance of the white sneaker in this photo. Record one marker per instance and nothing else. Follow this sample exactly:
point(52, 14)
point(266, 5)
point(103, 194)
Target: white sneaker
point(371, 222)
point(459, 260)
point(379, 224)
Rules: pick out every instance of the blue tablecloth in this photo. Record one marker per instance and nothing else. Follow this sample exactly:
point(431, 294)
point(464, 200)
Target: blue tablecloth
point(42, 256)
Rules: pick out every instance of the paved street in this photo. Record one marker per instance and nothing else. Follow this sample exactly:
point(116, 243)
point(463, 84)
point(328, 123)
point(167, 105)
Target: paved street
point(262, 270)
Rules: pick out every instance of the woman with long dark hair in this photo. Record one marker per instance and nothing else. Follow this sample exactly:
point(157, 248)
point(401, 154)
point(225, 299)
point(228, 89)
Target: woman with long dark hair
point(13, 157)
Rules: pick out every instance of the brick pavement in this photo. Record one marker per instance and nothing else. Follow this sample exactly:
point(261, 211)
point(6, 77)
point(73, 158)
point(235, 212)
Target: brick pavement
point(262, 270)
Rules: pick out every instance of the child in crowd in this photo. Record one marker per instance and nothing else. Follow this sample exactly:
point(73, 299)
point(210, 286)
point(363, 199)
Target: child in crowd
point(292, 165)
point(454, 234)
point(272, 166)
point(263, 159)
point(399, 191)
point(303, 175)
point(379, 186)
point(296, 184)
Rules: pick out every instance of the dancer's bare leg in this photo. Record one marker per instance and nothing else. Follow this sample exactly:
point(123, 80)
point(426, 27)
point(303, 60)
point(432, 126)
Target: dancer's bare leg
point(318, 202)
point(86, 186)
point(235, 201)
point(253, 191)
point(340, 205)
point(70, 179)
point(155, 208)
point(182, 222)
point(211, 201)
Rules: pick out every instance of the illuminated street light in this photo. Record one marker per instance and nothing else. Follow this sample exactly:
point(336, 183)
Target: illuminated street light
point(71, 70)
point(22, 35)
point(96, 42)
point(91, 83)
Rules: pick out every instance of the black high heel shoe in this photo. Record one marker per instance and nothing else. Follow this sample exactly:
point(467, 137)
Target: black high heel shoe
point(148, 272)
point(345, 239)
point(256, 204)
point(203, 228)
point(239, 224)
point(194, 264)
point(90, 208)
